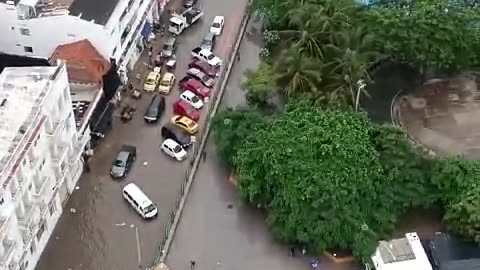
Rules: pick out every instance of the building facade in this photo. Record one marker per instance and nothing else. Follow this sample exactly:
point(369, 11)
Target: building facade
point(40, 159)
point(119, 29)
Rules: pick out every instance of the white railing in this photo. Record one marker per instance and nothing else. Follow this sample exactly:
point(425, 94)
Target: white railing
point(4, 222)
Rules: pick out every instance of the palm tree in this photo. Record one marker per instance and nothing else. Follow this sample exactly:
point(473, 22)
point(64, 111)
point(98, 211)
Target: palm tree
point(298, 74)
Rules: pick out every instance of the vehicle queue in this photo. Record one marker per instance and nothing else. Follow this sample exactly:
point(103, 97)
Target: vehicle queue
point(195, 89)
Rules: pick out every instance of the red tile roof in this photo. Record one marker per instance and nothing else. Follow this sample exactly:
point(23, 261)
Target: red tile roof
point(84, 63)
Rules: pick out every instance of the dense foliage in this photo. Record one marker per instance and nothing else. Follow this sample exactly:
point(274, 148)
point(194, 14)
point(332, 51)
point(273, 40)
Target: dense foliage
point(331, 179)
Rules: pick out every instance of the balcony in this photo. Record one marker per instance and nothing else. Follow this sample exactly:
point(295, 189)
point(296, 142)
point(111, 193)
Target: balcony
point(59, 152)
point(53, 130)
point(9, 247)
point(79, 147)
point(4, 223)
point(43, 189)
point(27, 221)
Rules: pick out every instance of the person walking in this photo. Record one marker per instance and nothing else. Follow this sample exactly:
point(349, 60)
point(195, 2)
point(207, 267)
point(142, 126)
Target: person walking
point(192, 264)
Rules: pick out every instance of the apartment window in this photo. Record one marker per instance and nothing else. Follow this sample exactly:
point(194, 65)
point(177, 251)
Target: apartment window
point(32, 247)
point(52, 208)
point(41, 230)
point(1, 201)
point(28, 49)
point(25, 31)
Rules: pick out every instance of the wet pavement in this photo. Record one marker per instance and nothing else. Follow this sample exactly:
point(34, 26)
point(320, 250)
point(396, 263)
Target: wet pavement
point(443, 115)
point(100, 234)
point(215, 236)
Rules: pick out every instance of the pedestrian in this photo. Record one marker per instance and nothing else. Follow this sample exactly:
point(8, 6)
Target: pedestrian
point(150, 51)
point(204, 155)
point(238, 56)
point(192, 264)
point(292, 251)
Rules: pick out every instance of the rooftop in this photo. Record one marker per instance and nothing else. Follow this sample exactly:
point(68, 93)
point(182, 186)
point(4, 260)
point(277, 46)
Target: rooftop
point(452, 253)
point(84, 63)
point(22, 91)
point(93, 10)
point(396, 250)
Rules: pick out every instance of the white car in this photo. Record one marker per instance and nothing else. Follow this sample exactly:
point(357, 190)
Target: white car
point(217, 25)
point(173, 149)
point(192, 99)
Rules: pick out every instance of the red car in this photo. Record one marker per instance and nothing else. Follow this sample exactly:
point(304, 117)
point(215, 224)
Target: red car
point(188, 83)
point(184, 109)
point(204, 67)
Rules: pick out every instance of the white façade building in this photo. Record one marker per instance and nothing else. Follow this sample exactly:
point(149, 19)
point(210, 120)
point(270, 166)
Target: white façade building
point(40, 159)
point(117, 28)
point(405, 253)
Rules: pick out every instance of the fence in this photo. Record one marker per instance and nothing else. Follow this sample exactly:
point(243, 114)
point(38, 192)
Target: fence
point(198, 145)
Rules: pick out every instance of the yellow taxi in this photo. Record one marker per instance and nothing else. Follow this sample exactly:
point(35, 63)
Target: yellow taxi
point(152, 80)
point(166, 84)
point(185, 123)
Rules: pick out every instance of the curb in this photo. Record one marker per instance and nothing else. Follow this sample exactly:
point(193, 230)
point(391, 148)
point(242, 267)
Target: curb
point(191, 177)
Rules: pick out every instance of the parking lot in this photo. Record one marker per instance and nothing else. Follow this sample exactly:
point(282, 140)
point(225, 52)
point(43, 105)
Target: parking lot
point(99, 233)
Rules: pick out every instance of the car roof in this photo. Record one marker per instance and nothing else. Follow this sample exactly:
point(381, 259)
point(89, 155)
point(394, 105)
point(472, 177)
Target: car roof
point(183, 104)
point(188, 93)
point(171, 143)
point(138, 194)
point(168, 75)
point(218, 19)
point(152, 75)
point(194, 71)
point(194, 83)
point(184, 119)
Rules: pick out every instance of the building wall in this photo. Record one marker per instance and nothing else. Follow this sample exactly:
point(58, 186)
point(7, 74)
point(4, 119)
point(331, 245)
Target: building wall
point(115, 39)
point(31, 202)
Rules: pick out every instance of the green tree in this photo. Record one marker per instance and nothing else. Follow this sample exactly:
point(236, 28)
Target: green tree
point(463, 214)
point(319, 175)
point(298, 74)
point(430, 34)
point(230, 128)
point(260, 85)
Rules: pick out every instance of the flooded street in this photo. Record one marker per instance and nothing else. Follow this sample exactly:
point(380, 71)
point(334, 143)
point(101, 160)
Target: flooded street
point(97, 229)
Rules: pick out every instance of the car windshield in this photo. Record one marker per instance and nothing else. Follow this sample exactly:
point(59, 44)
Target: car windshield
point(195, 99)
point(165, 83)
point(210, 56)
point(149, 208)
point(119, 163)
point(216, 25)
point(177, 149)
point(150, 81)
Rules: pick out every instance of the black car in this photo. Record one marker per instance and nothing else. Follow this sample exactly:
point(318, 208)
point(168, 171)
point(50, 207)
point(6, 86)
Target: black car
point(169, 47)
point(155, 109)
point(124, 161)
point(208, 42)
point(169, 131)
point(189, 3)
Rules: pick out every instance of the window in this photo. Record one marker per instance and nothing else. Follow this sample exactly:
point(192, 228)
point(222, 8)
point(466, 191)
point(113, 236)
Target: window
point(52, 208)
point(28, 49)
point(41, 230)
point(32, 247)
point(25, 31)
point(1, 201)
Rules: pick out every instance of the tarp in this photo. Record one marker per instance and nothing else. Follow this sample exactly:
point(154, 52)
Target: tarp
point(147, 30)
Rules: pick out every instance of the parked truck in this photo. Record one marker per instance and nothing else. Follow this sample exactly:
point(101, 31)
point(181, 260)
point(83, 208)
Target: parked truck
point(180, 22)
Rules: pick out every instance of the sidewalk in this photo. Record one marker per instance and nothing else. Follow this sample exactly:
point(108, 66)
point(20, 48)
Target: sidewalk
point(216, 236)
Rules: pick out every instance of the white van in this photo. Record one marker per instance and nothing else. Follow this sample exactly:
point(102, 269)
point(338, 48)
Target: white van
point(135, 196)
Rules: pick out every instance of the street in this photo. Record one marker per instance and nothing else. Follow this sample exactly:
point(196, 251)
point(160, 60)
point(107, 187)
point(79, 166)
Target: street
point(98, 228)
point(216, 236)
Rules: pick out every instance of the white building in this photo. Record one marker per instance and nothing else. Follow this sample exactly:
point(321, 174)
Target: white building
point(117, 28)
point(401, 254)
point(40, 160)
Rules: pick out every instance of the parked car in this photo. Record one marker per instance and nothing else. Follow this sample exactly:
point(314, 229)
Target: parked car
point(208, 41)
point(217, 25)
point(206, 56)
point(192, 99)
point(184, 123)
point(155, 109)
point(169, 131)
point(182, 107)
point(173, 149)
point(189, 3)
point(204, 67)
point(166, 84)
point(123, 162)
point(169, 47)
point(200, 76)
point(152, 80)
point(190, 84)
